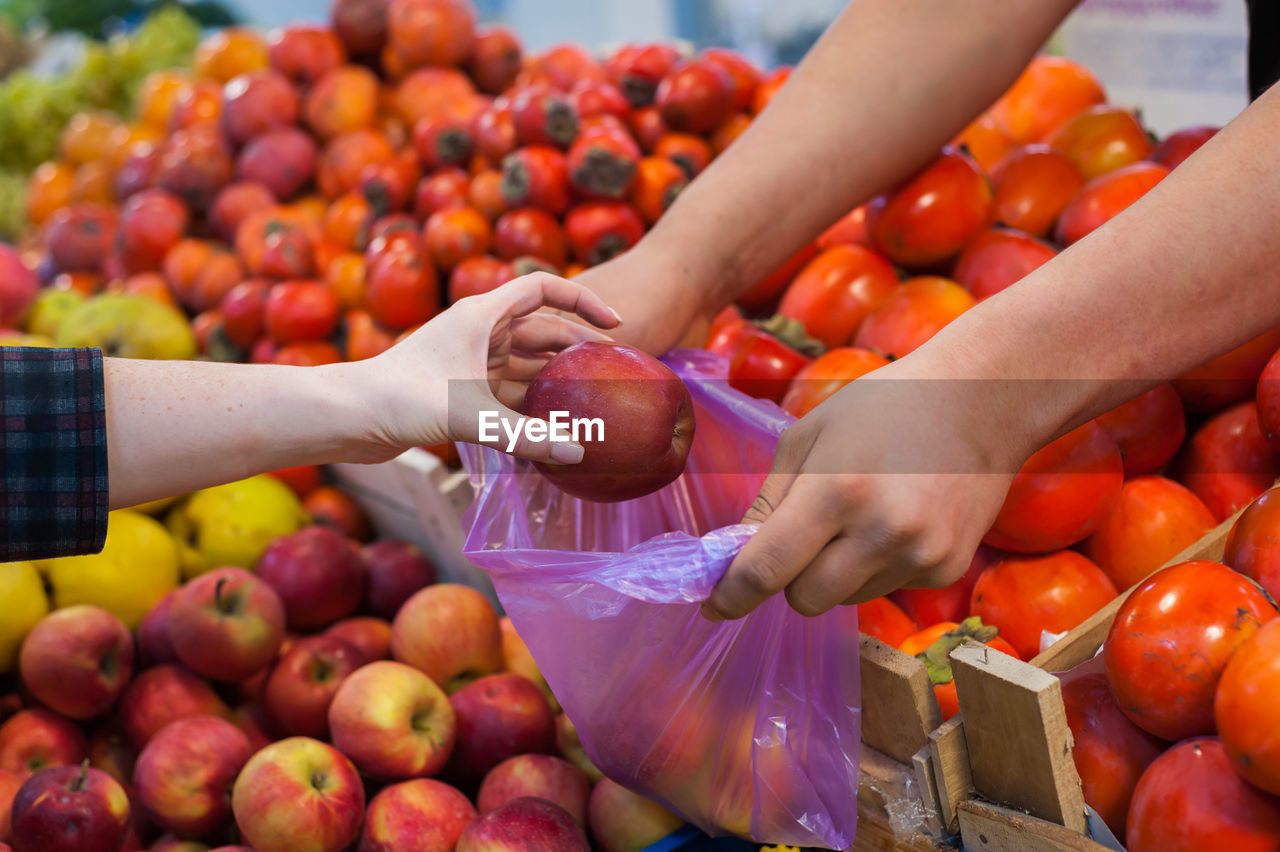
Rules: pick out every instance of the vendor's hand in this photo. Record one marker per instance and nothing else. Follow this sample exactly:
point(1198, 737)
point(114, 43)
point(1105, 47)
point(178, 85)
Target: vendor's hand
point(890, 483)
point(479, 355)
point(661, 306)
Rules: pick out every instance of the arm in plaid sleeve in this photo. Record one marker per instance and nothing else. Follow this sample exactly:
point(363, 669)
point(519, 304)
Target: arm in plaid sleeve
point(53, 453)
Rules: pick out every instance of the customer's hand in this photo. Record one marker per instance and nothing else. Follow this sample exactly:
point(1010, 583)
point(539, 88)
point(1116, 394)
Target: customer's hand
point(477, 356)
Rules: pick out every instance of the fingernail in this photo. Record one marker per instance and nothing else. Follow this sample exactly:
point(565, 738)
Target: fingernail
point(567, 453)
point(616, 315)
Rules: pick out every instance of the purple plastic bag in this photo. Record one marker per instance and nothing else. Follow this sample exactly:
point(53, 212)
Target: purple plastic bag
point(749, 727)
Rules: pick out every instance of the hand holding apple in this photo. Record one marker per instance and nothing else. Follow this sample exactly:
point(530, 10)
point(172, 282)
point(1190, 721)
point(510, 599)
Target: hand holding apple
point(647, 417)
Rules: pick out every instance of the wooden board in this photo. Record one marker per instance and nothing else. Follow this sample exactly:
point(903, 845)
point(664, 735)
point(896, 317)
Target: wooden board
point(1016, 731)
point(898, 708)
point(989, 828)
point(953, 778)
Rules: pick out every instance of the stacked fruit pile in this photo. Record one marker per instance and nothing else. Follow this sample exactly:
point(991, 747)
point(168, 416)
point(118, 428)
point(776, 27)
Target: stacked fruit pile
point(310, 196)
point(262, 706)
point(1095, 511)
point(1174, 741)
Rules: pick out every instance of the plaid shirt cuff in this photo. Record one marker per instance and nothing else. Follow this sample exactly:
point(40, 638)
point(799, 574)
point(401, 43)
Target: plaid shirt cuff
point(53, 458)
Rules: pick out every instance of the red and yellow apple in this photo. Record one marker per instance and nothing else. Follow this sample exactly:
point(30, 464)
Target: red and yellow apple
point(226, 624)
point(302, 685)
point(542, 776)
point(70, 809)
point(162, 695)
point(392, 721)
point(372, 636)
point(36, 739)
point(183, 777)
point(517, 659)
point(526, 824)
point(298, 795)
point(77, 660)
point(450, 633)
point(423, 815)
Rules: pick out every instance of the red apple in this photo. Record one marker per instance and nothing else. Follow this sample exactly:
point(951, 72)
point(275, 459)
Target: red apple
point(371, 636)
point(645, 409)
point(183, 777)
point(499, 716)
point(302, 685)
point(162, 695)
point(524, 825)
point(70, 809)
point(397, 569)
point(423, 815)
point(392, 721)
point(9, 784)
point(623, 821)
point(570, 746)
point(317, 573)
point(35, 739)
point(155, 647)
point(226, 624)
point(18, 287)
point(298, 795)
point(449, 632)
point(540, 775)
point(77, 660)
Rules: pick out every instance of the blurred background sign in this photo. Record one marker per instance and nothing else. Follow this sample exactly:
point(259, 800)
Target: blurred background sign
point(1182, 61)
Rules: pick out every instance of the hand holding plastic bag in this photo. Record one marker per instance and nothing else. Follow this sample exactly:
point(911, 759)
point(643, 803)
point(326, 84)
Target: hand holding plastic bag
point(748, 727)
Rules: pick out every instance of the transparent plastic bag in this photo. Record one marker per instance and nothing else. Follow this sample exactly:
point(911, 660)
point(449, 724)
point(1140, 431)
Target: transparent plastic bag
point(748, 727)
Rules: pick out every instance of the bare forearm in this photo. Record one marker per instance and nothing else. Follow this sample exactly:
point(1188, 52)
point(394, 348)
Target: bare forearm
point(1185, 274)
point(175, 426)
point(887, 85)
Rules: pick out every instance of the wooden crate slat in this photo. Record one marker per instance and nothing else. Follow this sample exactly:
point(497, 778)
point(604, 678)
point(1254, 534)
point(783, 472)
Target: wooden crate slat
point(989, 828)
point(898, 708)
point(1017, 735)
point(922, 764)
point(949, 754)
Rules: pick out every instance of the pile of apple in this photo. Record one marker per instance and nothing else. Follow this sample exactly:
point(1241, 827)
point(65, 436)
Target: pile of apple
point(310, 195)
point(336, 697)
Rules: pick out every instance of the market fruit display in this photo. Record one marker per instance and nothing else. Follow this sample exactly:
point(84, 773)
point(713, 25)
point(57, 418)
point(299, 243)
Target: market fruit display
point(207, 725)
point(313, 194)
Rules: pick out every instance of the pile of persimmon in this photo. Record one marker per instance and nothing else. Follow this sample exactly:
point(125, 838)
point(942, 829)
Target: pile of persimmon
point(1101, 508)
point(311, 194)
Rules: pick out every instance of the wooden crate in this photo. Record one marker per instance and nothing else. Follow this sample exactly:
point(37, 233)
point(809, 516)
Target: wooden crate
point(1025, 789)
